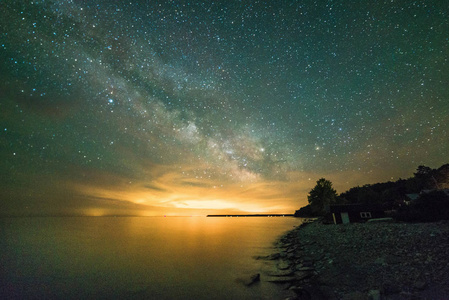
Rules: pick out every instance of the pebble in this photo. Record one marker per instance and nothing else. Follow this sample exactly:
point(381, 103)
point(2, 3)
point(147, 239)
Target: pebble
point(366, 261)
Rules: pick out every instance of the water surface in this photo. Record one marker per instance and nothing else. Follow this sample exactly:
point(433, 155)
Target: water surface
point(137, 257)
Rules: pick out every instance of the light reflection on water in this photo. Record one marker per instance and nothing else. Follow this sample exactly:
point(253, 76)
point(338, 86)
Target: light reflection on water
point(136, 257)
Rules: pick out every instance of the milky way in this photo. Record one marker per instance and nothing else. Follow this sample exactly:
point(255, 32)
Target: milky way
point(167, 106)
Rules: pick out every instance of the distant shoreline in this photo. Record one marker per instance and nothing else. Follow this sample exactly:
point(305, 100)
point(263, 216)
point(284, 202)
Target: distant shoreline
point(139, 216)
point(253, 215)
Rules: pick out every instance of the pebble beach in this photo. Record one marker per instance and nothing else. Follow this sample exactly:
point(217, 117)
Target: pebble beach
point(386, 260)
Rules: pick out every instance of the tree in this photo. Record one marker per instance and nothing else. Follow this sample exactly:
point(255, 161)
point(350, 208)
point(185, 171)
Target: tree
point(367, 195)
point(423, 172)
point(321, 196)
point(429, 207)
point(424, 178)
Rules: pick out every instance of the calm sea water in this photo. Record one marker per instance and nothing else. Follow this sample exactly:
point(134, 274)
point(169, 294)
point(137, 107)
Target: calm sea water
point(137, 257)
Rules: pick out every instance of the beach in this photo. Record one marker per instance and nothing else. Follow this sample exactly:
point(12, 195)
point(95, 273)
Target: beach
point(364, 261)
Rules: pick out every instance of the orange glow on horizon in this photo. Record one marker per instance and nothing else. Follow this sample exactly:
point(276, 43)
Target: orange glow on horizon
point(171, 194)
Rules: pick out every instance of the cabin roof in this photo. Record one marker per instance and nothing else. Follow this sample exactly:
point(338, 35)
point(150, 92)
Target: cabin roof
point(412, 196)
point(355, 208)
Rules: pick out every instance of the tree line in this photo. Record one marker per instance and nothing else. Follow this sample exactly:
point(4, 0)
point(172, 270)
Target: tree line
point(427, 183)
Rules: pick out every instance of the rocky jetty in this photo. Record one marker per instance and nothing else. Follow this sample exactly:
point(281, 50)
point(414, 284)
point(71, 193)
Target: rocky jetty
point(363, 261)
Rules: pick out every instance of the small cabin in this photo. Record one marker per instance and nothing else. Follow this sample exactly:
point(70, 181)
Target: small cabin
point(409, 198)
point(350, 213)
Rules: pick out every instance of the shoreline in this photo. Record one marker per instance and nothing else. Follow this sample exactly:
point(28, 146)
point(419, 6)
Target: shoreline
point(363, 261)
point(250, 216)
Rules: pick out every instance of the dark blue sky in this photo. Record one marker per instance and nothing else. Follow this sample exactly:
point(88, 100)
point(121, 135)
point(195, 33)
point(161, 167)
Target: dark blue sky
point(166, 106)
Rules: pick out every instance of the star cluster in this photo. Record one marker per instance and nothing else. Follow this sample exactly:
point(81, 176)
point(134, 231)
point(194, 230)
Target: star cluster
point(240, 105)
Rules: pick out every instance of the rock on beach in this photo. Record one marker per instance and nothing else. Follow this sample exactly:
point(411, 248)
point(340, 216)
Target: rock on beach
point(365, 261)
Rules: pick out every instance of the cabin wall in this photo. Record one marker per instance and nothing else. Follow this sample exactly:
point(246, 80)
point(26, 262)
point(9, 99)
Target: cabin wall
point(357, 216)
point(354, 217)
point(337, 218)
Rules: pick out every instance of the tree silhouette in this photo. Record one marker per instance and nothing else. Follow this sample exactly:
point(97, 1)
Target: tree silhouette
point(321, 196)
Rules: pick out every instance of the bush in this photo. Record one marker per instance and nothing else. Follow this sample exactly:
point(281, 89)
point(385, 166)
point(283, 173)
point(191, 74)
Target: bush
point(429, 207)
point(305, 212)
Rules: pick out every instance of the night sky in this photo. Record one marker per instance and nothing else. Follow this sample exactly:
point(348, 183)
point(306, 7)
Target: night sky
point(195, 107)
